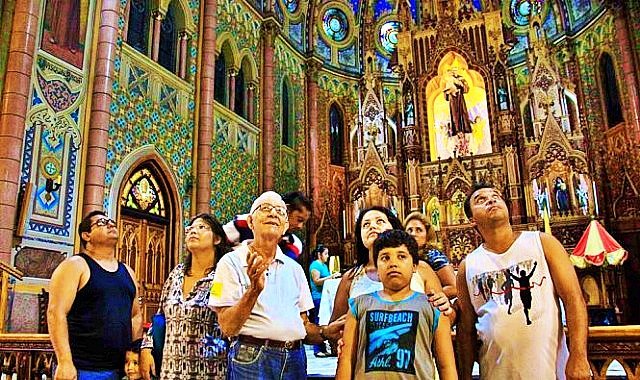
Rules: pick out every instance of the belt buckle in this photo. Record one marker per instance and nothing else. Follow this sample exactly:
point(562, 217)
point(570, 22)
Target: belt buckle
point(289, 344)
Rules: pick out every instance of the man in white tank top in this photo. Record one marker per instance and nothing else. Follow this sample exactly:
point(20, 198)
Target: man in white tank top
point(508, 292)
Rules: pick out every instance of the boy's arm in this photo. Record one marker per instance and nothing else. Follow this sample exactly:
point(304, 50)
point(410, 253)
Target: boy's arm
point(347, 357)
point(444, 350)
point(466, 335)
point(566, 283)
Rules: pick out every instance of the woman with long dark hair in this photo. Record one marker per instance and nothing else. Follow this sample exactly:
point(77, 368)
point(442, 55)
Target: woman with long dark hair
point(363, 277)
point(194, 347)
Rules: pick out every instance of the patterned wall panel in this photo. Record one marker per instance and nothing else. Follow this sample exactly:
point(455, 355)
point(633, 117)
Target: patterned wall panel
point(152, 106)
point(51, 149)
point(241, 23)
point(234, 165)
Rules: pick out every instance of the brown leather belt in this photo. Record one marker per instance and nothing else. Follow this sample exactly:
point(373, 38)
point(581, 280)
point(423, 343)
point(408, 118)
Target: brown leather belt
point(288, 345)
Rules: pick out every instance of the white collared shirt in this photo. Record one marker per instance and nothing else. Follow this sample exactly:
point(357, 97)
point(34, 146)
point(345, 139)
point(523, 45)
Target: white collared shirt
point(276, 313)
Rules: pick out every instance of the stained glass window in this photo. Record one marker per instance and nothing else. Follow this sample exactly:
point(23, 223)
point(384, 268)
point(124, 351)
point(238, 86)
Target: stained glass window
point(389, 35)
point(610, 94)
point(292, 5)
point(336, 131)
point(520, 11)
point(142, 193)
point(335, 24)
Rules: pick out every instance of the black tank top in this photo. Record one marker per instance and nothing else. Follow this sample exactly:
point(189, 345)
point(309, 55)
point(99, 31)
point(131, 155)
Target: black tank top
point(99, 321)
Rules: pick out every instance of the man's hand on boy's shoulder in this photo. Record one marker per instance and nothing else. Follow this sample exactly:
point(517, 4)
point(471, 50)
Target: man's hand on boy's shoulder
point(440, 301)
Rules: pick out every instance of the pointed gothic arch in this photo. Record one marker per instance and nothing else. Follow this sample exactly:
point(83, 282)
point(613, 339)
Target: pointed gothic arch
point(144, 199)
point(336, 134)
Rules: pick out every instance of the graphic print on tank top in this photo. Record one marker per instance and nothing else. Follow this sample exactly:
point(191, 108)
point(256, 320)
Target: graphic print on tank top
point(391, 340)
point(500, 286)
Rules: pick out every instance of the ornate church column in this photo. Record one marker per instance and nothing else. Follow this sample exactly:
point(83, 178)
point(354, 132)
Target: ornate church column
point(232, 88)
point(269, 31)
point(628, 67)
point(250, 94)
point(97, 136)
point(312, 69)
point(205, 117)
point(155, 40)
point(12, 115)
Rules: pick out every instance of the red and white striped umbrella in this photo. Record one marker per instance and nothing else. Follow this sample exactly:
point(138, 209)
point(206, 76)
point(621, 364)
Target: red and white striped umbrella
point(596, 246)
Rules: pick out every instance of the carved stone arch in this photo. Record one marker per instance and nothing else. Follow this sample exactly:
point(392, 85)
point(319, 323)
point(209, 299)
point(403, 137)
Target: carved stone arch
point(184, 17)
point(226, 45)
point(470, 61)
point(627, 204)
point(248, 64)
point(168, 226)
point(456, 184)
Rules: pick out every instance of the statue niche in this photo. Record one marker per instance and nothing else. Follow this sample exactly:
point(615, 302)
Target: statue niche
point(457, 110)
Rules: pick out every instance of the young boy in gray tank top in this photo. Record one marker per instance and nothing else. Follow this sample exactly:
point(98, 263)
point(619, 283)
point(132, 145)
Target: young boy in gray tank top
point(389, 334)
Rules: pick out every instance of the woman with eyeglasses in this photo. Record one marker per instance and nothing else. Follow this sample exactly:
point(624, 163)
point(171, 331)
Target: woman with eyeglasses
point(193, 345)
point(418, 226)
point(363, 278)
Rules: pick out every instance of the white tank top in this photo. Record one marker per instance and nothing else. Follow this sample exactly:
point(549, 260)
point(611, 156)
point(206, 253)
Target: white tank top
point(518, 312)
point(362, 284)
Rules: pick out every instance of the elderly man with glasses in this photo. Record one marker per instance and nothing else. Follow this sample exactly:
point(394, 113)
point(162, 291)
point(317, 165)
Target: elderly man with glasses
point(261, 297)
point(93, 312)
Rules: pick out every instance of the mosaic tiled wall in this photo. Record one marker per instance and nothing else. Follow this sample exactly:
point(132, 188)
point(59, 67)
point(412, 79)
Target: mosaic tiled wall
point(151, 106)
point(234, 164)
point(339, 87)
point(234, 177)
point(51, 151)
point(290, 164)
point(241, 23)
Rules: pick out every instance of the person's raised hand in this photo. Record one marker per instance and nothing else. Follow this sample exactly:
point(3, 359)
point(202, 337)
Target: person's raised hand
point(256, 268)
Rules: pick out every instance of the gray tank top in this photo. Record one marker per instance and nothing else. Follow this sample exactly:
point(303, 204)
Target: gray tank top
point(394, 337)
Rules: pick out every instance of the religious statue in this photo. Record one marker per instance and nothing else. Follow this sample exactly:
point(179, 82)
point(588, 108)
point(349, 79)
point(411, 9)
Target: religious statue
point(562, 196)
point(455, 88)
point(409, 110)
point(582, 194)
point(63, 21)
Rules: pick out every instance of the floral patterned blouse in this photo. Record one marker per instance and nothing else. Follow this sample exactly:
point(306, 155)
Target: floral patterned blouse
point(194, 348)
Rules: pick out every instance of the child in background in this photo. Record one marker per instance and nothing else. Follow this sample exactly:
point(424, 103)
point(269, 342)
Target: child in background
point(389, 334)
point(132, 357)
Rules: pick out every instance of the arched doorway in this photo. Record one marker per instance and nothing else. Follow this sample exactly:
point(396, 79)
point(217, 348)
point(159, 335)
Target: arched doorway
point(145, 210)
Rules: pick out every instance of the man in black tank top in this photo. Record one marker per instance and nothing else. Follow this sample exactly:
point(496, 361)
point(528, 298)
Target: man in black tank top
point(93, 314)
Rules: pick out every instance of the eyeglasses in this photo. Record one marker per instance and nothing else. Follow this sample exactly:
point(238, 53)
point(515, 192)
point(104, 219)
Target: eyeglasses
point(198, 228)
point(266, 208)
point(103, 222)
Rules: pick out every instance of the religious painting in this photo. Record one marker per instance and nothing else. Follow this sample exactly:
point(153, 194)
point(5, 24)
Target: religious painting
point(457, 110)
point(65, 28)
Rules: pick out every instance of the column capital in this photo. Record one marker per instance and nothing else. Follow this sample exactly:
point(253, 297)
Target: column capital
point(313, 66)
point(184, 34)
point(232, 72)
point(269, 30)
point(158, 15)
